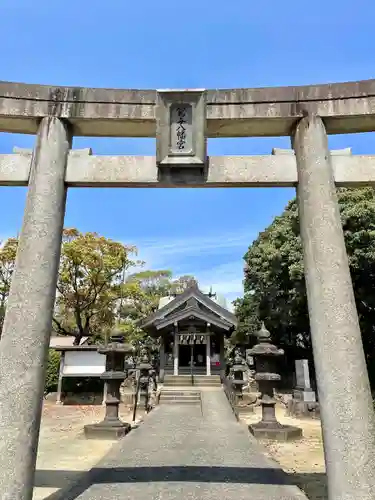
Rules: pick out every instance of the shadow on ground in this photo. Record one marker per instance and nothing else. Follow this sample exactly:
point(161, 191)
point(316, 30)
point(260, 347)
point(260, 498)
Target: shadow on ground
point(314, 485)
point(80, 482)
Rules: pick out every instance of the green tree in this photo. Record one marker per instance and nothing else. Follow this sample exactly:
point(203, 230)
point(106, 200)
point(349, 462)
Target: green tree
point(89, 284)
point(180, 284)
point(141, 295)
point(144, 290)
point(8, 251)
point(93, 292)
point(274, 280)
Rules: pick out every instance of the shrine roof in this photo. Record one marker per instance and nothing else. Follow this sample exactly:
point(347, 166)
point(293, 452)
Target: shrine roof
point(192, 303)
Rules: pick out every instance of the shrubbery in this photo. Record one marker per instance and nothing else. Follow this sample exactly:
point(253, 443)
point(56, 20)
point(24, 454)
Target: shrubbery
point(52, 376)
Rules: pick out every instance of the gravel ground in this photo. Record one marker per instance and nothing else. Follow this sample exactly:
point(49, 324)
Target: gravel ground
point(303, 459)
point(187, 452)
point(63, 451)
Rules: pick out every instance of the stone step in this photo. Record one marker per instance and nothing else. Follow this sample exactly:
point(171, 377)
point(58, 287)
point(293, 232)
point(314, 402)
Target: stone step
point(195, 379)
point(195, 376)
point(186, 380)
point(196, 383)
point(198, 386)
point(196, 372)
point(171, 392)
point(176, 384)
point(180, 402)
point(187, 397)
point(180, 397)
point(207, 380)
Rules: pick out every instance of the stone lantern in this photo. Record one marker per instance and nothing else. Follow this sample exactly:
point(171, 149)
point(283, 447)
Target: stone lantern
point(115, 373)
point(238, 368)
point(145, 374)
point(266, 354)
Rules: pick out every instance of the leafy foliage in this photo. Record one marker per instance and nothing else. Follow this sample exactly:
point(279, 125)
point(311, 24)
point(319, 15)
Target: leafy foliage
point(94, 292)
point(142, 292)
point(53, 366)
point(89, 284)
point(8, 252)
point(274, 280)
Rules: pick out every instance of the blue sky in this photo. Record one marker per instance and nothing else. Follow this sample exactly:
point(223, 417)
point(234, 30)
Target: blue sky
point(169, 44)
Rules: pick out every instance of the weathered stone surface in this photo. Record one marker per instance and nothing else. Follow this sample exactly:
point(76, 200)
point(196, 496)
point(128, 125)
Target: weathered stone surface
point(275, 433)
point(181, 128)
point(343, 386)
point(333, 152)
point(72, 152)
point(350, 107)
point(230, 113)
point(302, 374)
point(27, 326)
point(303, 403)
point(307, 395)
point(104, 430)
point(84, 170)
point(302, 409)
point(14, 169)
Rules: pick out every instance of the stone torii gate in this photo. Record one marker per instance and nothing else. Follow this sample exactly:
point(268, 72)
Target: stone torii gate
point(181, 121)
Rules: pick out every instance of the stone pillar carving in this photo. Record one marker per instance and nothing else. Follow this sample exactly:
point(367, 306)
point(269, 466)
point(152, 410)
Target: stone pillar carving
point(181, 144)
point(27, 326)
point(343, 386)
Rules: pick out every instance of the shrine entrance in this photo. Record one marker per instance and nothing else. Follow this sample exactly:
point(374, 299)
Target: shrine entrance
point(191, 327)
point(182, 121)
point(192, 358)
point(184, 356)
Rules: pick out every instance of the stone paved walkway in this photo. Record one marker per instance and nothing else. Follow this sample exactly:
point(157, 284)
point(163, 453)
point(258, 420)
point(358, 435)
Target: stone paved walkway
point(186, 453)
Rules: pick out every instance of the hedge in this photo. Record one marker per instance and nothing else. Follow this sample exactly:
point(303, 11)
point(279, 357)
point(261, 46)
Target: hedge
point(52, 376)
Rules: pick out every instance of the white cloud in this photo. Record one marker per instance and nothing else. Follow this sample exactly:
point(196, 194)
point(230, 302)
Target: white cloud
point(167, 252)
point(225, 279)
point(182, 257)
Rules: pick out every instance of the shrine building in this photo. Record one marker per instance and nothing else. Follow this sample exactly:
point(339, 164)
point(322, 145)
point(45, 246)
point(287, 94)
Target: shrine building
point(192, 327)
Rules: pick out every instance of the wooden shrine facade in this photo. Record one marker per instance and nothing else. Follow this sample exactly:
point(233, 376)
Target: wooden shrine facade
point(191, 327)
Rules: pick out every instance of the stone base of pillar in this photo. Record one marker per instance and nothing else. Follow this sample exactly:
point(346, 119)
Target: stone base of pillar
point(306, 395)
point(275, 431)
point(303, 409)
point(107, 430)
